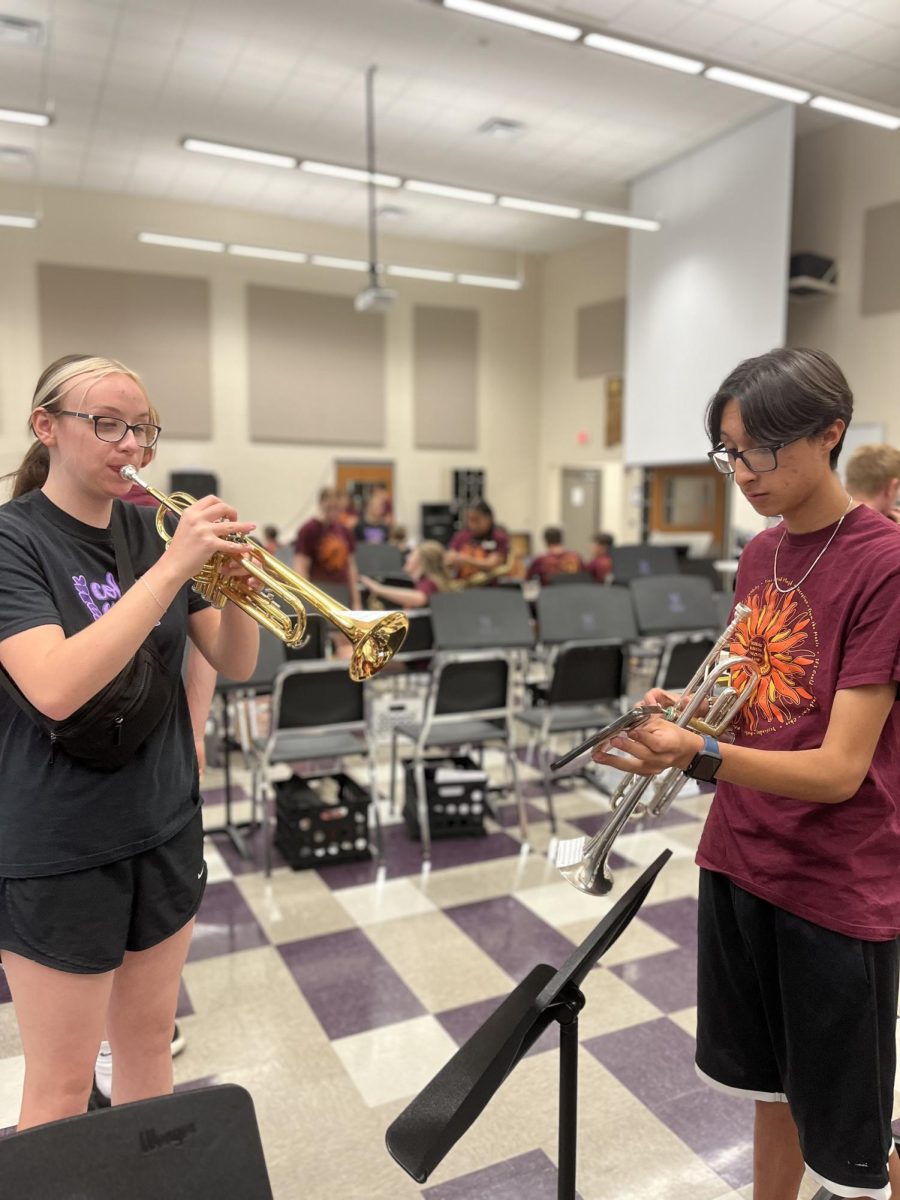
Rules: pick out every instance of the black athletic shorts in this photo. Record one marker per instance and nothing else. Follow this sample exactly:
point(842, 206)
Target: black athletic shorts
point(790, 1011)
point(84, 921)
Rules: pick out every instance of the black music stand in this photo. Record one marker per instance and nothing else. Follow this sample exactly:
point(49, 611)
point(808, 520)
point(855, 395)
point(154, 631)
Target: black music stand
point(431, 1125)
point(203, 1144)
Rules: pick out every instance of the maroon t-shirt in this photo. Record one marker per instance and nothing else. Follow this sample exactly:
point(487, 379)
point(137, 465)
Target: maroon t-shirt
point(555, 562)
point(495, 542)
point(328, 548)
point(600, 567)
point(426, 586)
point(837, 865)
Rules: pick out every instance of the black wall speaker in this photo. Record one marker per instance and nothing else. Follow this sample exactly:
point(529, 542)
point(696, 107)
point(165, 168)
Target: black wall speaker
point(196, 483)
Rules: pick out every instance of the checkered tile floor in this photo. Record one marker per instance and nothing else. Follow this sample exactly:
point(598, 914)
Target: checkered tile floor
point(333, 997)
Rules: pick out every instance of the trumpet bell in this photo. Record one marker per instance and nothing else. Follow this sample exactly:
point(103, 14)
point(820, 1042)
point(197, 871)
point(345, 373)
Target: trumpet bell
point(378, 638)
point(591, 877)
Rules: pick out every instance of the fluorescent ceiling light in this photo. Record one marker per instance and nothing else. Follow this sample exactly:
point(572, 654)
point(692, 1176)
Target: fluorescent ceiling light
point(609, 218)
point(490, 281)
point(452, 193)
point(291, 256)
point(421, 273)
point(18, 117)
point(181, 243)
point(355, 173)
point(244, 153)
point(855, 112)
point(658, 58)
point(751, 83)
point(510, 16)
point(342, 264)
point(538, 206)
point(19, 222)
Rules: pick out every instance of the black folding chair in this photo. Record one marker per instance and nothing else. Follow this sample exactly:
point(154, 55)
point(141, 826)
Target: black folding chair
point(682, 610)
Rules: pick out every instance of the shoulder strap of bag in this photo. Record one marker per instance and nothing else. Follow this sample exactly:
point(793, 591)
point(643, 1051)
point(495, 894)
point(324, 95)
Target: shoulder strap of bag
point(125, 573)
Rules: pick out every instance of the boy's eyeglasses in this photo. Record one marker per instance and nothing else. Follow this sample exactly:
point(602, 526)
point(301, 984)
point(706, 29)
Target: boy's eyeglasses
point(758, 459)
point(114, 429)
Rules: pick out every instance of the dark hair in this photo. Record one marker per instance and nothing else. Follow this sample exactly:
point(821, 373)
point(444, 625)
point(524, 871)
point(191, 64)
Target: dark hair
point(553, 535)
point(271, 532)
point(482, 506)
point(603, 539)
point(784, 395)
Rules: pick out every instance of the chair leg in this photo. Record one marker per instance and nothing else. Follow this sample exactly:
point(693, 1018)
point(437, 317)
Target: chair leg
point(393, 774)
point(267, 817)
point(517, 792)
point(422, 809)
point(546, 753)
point(376, 815)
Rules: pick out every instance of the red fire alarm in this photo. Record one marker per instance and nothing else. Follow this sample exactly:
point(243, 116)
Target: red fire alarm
point(582, 437)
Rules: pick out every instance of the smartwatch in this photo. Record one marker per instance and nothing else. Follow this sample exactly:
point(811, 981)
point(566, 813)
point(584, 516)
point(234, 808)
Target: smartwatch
point(705, 764)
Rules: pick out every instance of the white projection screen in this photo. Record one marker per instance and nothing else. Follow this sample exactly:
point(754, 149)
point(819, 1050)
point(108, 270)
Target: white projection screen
point(710, 288)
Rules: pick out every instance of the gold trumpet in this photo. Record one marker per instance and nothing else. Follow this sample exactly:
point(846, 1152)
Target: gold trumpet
point(585, 864)
point(376, 637)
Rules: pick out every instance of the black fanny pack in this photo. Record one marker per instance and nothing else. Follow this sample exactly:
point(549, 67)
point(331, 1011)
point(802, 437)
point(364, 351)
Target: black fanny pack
point(110, 727)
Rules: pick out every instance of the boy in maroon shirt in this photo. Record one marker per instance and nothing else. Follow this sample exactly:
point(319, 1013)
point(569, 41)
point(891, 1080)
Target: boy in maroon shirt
point(556, 560)
point(600, 565)
point(800, 855)
point(323, 551)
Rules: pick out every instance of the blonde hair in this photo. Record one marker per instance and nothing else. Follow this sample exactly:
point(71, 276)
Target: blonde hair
point(55, 382)
point(871, 468)
point(431, 557)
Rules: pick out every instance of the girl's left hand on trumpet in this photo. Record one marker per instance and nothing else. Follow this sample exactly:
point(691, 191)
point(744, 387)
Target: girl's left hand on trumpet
point(650, 749)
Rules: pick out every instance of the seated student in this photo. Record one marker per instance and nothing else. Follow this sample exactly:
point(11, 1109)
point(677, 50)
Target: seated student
point(399, 538)
point(600, 565)
point(425, 566)
point(556, 560)
point(481, 548)
point(270, 538)
point(374, 524)
point(323, 551)
point(873, 478)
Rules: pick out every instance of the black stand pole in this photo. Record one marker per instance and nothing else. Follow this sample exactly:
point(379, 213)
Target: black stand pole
point(228, 826)
point(434, 1121)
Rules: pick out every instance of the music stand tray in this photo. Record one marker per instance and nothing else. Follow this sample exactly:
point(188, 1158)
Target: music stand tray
point(432, 1123)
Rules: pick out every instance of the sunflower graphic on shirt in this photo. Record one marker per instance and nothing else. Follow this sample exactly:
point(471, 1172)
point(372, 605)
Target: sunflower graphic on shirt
point(780, 637)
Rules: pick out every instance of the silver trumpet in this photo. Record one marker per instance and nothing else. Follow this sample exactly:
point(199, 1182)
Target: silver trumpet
point(585, 864)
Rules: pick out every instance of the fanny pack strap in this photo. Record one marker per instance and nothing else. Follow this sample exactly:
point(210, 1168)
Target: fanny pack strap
point(125, 574)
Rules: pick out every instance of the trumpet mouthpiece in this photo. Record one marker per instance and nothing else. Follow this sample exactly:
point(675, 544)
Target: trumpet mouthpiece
point(128, 472)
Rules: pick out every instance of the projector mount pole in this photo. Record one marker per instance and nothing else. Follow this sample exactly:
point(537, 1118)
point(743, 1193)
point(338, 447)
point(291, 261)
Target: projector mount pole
point(370, 167)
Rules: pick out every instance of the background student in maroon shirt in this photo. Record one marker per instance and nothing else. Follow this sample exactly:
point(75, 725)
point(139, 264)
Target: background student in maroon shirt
point(600, 565)
point(323, 551)
point(425, 566)
point(556, 559)
point(481, 546)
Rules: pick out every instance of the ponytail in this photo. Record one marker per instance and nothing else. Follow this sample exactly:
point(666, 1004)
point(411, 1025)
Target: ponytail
point(32, 472)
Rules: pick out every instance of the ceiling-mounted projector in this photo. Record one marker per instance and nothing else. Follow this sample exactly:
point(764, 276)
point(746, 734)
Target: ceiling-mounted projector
point(374, 299)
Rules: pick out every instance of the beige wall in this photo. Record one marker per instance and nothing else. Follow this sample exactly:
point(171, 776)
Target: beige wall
point(271, 482)
point(571, 280)
point(840, 173)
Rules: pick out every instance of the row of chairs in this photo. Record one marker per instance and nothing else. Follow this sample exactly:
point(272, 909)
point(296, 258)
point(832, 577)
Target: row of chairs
point(476, 645)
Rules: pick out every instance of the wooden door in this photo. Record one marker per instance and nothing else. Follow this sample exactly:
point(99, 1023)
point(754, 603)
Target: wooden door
point(688, 500)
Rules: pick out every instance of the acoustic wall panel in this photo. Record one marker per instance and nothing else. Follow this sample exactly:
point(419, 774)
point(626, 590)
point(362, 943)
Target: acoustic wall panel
point(316, 368)
point(881, 260)
point(445, 366)
point(158, 325)
point(600, 344)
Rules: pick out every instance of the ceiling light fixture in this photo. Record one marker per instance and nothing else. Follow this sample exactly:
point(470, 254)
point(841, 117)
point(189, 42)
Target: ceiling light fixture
point(855, 112)
point(181, 243)
point(627, 222)
point(18, 116)
point(357, 174)
point(340, 264)
point(657, 58)
point(781, 91)
point(539, 206)
point(20, 31)
point(452, 193)
point(16, 221)
point(265, 158)
point(14, 154)
point(490, 281)
point(421, 273)
point(512, 16)
point(290, 256)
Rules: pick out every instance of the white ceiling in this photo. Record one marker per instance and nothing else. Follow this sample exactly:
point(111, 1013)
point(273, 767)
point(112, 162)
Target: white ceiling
point(128, 78)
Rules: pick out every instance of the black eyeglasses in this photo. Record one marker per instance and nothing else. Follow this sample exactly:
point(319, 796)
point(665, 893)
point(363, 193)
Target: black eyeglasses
point(114, 429)
point(758, 459)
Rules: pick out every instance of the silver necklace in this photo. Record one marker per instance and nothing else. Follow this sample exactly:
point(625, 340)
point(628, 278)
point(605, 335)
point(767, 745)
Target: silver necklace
point(784, 590)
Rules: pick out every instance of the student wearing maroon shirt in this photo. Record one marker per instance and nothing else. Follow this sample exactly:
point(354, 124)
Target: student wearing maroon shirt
point(481, 546)
point(425, 566)
point(323, 552)
point(800, 855)
point(556, 560)
point(600, 565)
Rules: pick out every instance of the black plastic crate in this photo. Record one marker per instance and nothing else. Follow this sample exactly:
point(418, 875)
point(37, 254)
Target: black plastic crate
point(456, 804)
point(314, 828)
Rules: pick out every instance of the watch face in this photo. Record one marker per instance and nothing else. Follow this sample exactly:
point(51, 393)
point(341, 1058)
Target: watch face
point(706, 767)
